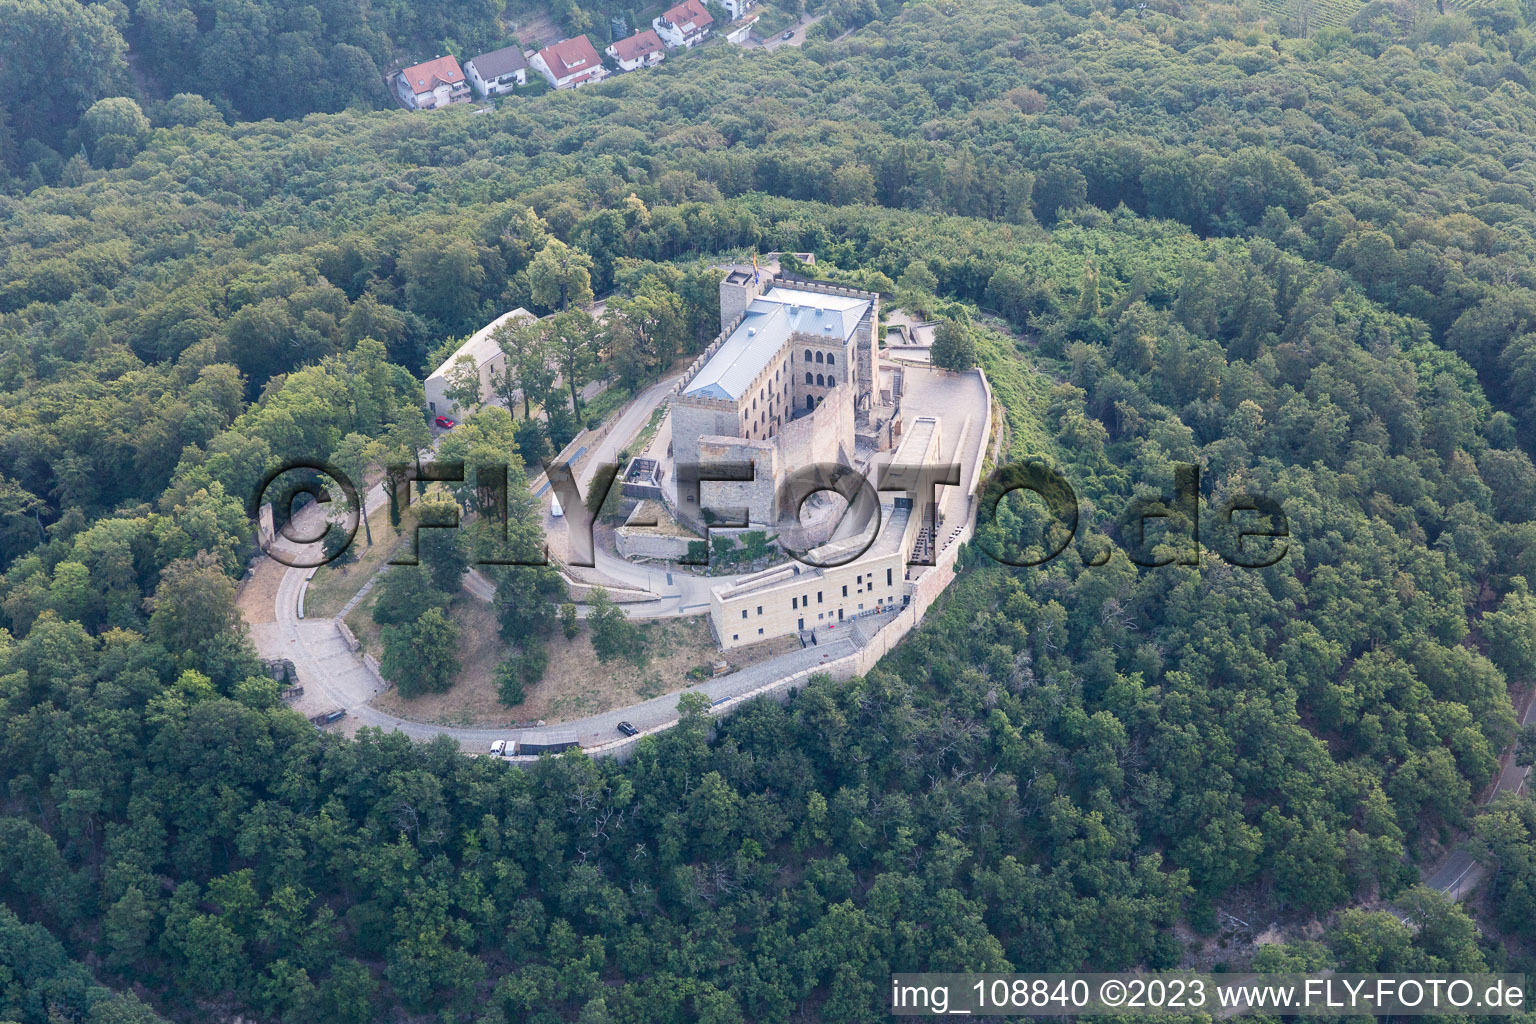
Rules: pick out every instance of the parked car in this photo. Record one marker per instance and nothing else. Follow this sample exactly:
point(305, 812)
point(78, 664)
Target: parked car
point(498, 747)
point(445, 422)
point(788, 34)
point(554, 506)
point(627, 729)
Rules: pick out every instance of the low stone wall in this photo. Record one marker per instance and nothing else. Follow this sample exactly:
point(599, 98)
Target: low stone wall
point(642, 543)
point(929, 586)
point(618, 595)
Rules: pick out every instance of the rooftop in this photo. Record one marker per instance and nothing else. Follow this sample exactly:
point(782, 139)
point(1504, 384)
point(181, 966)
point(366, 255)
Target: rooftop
point(689, 15)
point(893, 526)
point(500, 62)
point(765, 329)
point(430, 74)
point(481, 345)
point(571, 56)
point(639, 45)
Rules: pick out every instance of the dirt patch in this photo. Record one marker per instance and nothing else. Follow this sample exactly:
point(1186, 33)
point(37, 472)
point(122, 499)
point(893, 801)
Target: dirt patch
point(536, 29)
point(576, 683)
point(257, 595)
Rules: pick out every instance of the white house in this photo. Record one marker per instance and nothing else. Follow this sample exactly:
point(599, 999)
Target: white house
point(569, 63)
point(737, 8)
point(489, 361)
point(641, 50)
point(497, 72)
point(432, 85)
point(687, 24)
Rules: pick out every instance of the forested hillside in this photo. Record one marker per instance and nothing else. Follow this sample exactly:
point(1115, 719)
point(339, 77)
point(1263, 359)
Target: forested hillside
point(1176, 234)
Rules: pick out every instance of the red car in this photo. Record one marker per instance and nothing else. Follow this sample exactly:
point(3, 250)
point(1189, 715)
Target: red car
point(445, 423)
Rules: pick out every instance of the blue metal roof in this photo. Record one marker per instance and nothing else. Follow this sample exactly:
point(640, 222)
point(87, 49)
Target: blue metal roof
point(763, 331)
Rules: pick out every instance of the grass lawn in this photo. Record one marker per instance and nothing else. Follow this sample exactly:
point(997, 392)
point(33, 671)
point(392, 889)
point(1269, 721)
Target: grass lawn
point(333, 585)
point(576, 683)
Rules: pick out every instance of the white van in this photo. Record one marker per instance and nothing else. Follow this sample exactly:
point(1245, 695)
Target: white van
point(498, 747)
point(554, 505)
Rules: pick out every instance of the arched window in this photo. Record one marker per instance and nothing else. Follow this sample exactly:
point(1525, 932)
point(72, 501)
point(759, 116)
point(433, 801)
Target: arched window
point(831, 359)
point(807, 355)
point(810, 401)
point(818, 357)
point(808, 377)
point(820, 382)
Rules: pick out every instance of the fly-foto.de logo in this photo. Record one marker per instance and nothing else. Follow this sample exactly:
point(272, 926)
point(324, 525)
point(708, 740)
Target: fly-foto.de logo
point(1027, 513)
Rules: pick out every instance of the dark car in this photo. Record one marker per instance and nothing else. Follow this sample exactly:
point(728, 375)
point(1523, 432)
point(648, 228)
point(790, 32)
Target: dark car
point(627, 729)
point(445, 422)
point(788, 34)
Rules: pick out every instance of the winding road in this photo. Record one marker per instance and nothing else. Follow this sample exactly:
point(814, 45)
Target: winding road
point(334, 675)
point(1459, 873)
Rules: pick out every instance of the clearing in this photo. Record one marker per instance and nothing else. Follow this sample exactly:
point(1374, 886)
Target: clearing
point(575, 685)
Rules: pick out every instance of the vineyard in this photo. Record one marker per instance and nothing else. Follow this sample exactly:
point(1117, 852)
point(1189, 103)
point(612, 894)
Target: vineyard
point(1307, 16)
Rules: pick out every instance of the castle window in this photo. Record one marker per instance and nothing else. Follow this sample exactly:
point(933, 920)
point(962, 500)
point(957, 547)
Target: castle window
point(807, 355)
point(820, 382)
point(831, 359)
point(818, 357)
point(810, 400)
point(808, 377)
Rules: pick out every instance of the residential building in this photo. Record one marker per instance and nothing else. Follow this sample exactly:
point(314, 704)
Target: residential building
point(687, 24)
point(498, 72)
point(569, 63)
point(489, 361)
point(641, 50)
point(737, 8)
point(432, 85)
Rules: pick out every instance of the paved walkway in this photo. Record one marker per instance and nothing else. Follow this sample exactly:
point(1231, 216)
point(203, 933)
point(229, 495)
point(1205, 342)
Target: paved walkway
point(335, 676)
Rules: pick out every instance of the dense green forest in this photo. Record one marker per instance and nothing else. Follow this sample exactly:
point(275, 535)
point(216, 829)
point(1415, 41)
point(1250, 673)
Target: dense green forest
point(1179, 233)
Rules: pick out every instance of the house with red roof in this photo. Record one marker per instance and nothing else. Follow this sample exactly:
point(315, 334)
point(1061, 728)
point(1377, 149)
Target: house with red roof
point(687, 24)
point(641, 50)
point(432, 85)
point(569, 63)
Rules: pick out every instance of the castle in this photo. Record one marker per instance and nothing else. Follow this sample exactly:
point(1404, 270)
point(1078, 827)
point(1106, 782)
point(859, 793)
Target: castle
point(789, 382)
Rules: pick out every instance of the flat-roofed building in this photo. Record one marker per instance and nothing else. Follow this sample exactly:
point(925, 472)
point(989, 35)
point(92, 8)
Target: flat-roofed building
point(848, 578)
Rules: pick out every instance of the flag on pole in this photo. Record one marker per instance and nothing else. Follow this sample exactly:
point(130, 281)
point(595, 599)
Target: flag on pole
point(754, 268)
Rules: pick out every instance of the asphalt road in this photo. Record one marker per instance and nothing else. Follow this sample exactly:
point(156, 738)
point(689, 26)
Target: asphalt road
point(798, 39)
point(328, 668)
point(1460, 872)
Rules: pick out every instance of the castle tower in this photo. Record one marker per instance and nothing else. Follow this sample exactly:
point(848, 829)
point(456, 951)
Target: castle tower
point(737, 290)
